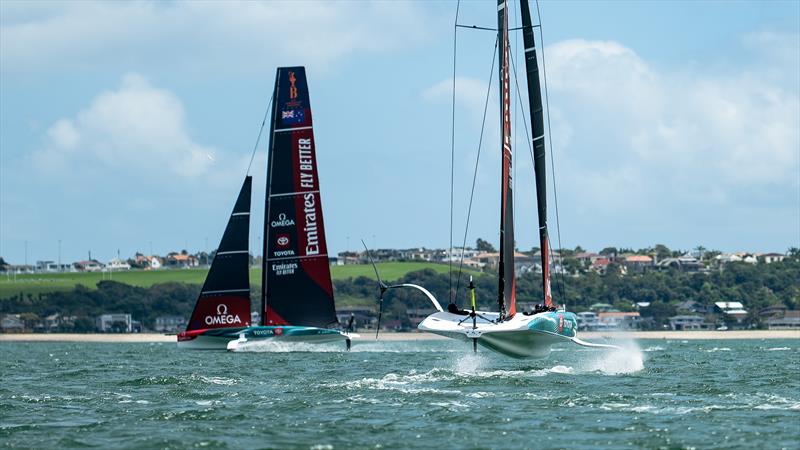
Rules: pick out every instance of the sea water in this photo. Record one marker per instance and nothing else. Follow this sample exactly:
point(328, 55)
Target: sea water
point(421, 394)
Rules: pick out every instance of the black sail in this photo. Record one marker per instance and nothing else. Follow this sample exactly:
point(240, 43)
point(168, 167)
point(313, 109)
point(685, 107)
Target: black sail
point(224, 300)
point(296, 283)
point(539, 160)
point(507, 288)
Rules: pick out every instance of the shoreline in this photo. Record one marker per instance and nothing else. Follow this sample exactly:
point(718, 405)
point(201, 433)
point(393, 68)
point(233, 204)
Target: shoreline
point(368, 335)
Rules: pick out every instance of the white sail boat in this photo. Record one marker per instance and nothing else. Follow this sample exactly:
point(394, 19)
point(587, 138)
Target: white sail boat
point(508, 331)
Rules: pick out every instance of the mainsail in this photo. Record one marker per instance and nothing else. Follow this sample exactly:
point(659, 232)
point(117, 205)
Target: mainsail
point(506, 291)
point(296, 279)
point(224, 301)
point(537, 125)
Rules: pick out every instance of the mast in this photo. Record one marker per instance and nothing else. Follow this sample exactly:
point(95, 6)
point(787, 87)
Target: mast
point(506, 291)
point(539, 160)
point(297, 287)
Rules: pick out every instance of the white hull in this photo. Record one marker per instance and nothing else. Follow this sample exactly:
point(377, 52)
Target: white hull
point(523, 336)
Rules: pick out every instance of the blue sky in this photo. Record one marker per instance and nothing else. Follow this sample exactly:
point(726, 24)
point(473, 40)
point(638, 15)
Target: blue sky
point(129, 123)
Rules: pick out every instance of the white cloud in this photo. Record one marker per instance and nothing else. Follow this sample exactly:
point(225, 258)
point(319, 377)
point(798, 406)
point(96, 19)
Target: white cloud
point(136, 128)
point(223, 34)
point(675, 134)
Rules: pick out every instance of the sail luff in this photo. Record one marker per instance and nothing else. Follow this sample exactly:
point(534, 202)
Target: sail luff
point(268, 189)
point(506, 291)
point(539, 159)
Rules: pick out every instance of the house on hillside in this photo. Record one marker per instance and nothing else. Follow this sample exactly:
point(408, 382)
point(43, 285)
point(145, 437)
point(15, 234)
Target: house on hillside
point(725, 258)
point(732, 311)
point(637, 263)
point(600, 265)
point(587, 258)
point(683, 263)
point(768, 258)
point(182, 261)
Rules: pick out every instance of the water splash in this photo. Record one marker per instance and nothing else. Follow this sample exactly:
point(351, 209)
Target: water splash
point(628, 359)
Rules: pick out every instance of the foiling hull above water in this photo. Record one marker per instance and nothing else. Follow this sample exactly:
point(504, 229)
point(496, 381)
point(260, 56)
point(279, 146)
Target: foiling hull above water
point(522, 336)
point(223, 338)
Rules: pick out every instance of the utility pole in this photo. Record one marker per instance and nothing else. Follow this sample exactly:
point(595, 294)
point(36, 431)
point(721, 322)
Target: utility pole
point(59, 255)
point(26, 255)
point(151, 248)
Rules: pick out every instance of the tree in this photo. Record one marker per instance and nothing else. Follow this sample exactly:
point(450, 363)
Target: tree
point(484, 246)
point(3, 264)
point(609, 251)
point(662, 251)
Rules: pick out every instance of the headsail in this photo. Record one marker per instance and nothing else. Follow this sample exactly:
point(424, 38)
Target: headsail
point(507, 288)
point(296, 283)
point(539, 161)
point(224, 301)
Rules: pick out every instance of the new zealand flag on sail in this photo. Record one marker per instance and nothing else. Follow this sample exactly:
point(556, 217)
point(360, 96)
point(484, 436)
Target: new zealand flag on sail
point(292, 116)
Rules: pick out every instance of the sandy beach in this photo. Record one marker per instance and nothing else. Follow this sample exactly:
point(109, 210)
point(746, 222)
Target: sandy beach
point(417, 336)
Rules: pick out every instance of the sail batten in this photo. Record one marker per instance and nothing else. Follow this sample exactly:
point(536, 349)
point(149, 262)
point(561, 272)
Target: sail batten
point(539, 159)
point(297, 287)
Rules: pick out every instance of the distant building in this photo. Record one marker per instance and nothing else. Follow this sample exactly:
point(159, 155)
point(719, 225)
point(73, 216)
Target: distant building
point(789, 321)
point(90, 265)
point(600, 265)
point(116, 323)
point(118, 264)
point(619, 320)
point(769, 258)
point(363, 316)
point(733, 311)
point(637, 263)
point(12, 323)
point(725, 258)
point(170, 324)
point(587, 321)
point(52, 267)
point(417, 315)
point(683, 263)
point(181, 260)
point(344, 258)
point(588, 258)
point(689, 323)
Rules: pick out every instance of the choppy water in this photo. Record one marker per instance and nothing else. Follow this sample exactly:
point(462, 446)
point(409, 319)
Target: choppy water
point(432, 394)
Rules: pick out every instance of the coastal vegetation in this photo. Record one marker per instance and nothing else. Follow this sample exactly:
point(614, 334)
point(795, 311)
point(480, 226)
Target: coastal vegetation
point(147, 295)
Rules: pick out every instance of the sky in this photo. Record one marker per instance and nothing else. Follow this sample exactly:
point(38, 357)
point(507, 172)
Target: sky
point(128, 126)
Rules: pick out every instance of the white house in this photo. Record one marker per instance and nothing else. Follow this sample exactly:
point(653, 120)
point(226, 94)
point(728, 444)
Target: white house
point(118, 264)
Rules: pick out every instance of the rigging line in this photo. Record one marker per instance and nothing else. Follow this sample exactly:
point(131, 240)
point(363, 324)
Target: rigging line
point(475, 27)
point(260, 131)
point(550, 144)
point(453, 153)
point(533, 161)
point(477, 159)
